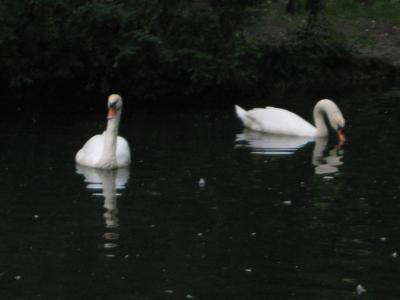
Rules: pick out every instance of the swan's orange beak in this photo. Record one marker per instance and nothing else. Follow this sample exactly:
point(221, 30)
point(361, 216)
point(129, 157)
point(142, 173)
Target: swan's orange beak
point(112, 112)
point(341, 136)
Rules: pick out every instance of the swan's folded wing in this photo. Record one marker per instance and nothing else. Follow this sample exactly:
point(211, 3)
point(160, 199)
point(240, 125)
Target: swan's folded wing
point(123, 152)
point(91, 151)
point(279, 121)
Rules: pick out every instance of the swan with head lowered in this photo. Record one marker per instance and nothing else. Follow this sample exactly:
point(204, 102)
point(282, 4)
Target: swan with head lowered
point(283, 122)
point(107, 150)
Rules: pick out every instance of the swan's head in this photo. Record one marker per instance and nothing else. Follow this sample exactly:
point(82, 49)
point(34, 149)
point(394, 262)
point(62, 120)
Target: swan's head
point(114, 105)
point(335, 118)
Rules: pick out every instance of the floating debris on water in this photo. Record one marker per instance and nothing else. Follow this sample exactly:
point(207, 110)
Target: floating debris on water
point(383, 239)
point(360, 289)
point(188, 296)
point(253, 233)
point(168, 291)
point(18, 277)
point(248, 270)
point(288, 202)
point(200, 234)
point(202, 182)
point(328, 177)
point(394, 254)
point(36, 216)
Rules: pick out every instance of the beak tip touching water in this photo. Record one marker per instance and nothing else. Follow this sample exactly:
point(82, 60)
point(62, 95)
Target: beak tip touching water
point(341, 136)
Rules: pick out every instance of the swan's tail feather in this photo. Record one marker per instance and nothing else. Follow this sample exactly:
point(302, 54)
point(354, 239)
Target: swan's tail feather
point(240, 112)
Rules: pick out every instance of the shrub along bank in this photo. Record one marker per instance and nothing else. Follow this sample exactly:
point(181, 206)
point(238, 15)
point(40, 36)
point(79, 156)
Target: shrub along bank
point(161, 50)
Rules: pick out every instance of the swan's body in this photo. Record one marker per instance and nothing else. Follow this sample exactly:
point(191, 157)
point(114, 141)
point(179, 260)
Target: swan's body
point(91, 153)
point(107, 150)
point(283, 122)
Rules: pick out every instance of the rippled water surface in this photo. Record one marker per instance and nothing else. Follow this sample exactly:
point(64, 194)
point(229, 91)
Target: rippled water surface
point(207, 210)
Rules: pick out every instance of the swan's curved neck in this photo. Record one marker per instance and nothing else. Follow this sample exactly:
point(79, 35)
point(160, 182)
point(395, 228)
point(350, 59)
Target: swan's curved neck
point(113, 124)
point(319, 120)
point(110, 142)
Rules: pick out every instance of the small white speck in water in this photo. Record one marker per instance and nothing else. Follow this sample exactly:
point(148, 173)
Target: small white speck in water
point(188, 296)
point(360, 289)
point(202, 182)
point(288, 202)
point(168, 291)
point(248, 270)
point(18, 277)
point(36, 216)
point(126, 256)
point(394, 254)
point(253, 233)
point(200, 234)
point(383, 239)
point(328, 177)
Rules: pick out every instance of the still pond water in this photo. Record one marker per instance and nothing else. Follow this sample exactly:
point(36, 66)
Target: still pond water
point(206, 210)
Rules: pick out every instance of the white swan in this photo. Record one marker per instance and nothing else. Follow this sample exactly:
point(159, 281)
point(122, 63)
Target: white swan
point(283, 122)
point(107, 150)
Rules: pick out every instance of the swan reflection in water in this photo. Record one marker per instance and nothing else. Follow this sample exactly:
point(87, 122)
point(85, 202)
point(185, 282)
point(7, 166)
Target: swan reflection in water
point(108, 184)
point(325, 162)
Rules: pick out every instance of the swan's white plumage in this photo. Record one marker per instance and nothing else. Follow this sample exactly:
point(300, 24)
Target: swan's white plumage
point(277, 121)
point(283, 122)
point(107, 150)
point(91, 152)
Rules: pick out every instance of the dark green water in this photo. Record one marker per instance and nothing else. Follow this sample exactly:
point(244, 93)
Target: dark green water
point(200, 214)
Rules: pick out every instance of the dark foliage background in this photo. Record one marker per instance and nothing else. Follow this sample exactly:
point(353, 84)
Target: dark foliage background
point(155, 49)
